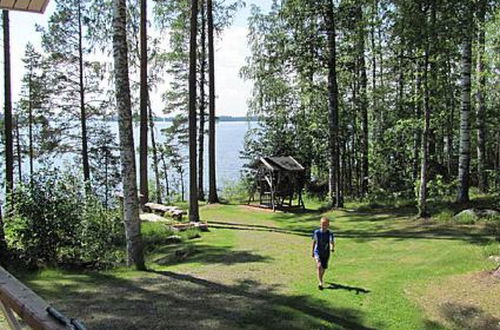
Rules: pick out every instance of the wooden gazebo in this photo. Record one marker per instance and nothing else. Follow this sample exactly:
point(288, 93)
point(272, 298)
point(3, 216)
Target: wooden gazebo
point(279, 182)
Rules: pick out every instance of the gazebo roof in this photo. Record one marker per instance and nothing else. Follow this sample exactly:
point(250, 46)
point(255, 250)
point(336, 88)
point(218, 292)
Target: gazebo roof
point(35, 6)
point(287, 163)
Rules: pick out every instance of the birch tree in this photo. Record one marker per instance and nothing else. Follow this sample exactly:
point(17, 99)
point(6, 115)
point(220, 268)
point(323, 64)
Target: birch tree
point(135, 253)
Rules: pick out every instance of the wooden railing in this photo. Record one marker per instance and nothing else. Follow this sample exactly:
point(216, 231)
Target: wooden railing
point(35, 312)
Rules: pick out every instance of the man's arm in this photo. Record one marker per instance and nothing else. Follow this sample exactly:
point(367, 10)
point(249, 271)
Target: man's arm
point(313, 246)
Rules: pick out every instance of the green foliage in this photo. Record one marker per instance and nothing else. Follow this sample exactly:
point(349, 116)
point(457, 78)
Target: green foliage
point(154, 234)
point(492, 248)
point(55, 223)
point(493, 226)
point(438, 187)
point(235, 191)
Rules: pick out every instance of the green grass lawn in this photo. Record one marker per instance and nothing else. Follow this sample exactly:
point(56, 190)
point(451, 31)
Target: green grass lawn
point(254, 270)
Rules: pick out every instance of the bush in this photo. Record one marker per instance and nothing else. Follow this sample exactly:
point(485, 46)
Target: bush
point(236, 191)
point(154, 234)
point(491, 248)
point(54, 222)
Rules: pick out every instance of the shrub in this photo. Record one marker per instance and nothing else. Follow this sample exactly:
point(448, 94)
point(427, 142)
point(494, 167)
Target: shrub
point(54, 222)
point(236, 191)
point(155, 234)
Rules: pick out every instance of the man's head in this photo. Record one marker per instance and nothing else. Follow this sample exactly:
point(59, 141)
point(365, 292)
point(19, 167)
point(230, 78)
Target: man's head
point(324, 223)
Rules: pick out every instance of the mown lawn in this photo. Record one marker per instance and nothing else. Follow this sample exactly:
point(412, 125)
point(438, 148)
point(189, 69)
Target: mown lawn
point(253, 270)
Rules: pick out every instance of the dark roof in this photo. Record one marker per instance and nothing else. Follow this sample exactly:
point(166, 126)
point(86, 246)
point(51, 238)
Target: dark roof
point(287, 163)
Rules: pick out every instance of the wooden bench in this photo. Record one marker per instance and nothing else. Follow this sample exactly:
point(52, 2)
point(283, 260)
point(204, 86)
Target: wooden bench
point(31, 308)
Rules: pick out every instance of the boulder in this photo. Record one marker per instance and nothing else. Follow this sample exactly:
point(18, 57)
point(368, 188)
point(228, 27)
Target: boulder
point(471, 215)
point(174, 239)
point(466, 216)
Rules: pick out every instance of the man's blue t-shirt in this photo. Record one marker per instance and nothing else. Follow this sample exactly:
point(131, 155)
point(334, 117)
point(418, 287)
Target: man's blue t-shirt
point(323, 240)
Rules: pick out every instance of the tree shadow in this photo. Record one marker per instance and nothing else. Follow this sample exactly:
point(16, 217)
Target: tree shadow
point(474, 236)
point(435, 233)
point(239, 226)
point(204, 254)
point(170, 300)
point(337, 286)
point(362, 213)
point(462, 316)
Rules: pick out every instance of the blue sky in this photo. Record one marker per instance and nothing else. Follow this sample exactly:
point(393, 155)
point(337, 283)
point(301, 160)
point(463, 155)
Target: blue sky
point(232, 92)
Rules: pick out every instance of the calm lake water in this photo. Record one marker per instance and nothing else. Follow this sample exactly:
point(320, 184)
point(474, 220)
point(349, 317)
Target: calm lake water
point(229, 142)
point(229, 138)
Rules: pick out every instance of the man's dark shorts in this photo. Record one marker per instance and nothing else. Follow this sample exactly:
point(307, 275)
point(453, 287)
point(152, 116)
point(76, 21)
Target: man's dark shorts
point(323, 259)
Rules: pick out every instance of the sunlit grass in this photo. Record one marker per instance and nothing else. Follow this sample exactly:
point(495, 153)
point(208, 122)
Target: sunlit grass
point(254, 270)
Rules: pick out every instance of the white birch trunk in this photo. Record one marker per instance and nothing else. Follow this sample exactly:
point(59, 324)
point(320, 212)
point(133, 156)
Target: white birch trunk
point(131, 220)
point(464, 158)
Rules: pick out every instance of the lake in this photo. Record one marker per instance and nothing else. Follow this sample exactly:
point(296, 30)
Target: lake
point(229, 142)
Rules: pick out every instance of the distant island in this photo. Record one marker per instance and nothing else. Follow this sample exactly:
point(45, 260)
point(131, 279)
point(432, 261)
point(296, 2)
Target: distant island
point(218, 118)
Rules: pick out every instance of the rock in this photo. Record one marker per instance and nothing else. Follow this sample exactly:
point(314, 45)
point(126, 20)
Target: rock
point(497, 272)
point(201, 226)
point(494, 258)
point(151, 217)
point(466, 216)
point(471, 215)
point(487, 213)
point(174, 239)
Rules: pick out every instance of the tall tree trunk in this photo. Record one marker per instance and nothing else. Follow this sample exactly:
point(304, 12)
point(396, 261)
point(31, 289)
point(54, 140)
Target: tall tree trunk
point(201, 134)
point(83, 112)
point(424, 166)
point(497, 160)
point(381, 83)
point(374, 68)
point(9, 166)
point(106, 182)
point(464, 159)
point(9, 152)
point(143, 143)
point(19, 155)
point(363, 100)
point(181, 172)
point(30, 128)
point(193, 187)
point(481, 104)
point(155, 154)
point(450, 103)
point(333, 110)
point(165, 171)
point(4, 252)
point(417, 134)
point(135, 254)
point(212, 181)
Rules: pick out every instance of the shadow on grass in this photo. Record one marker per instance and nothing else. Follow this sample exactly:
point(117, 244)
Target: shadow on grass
point(462, 316)
point(170, 300)
point(357, 290)
point(474, 236)
point(480, 236)
point(205, 254)
point(238, 226)
point(367, 214)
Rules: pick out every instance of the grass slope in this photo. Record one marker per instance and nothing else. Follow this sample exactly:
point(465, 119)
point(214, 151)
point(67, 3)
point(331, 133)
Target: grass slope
point(254, 270)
